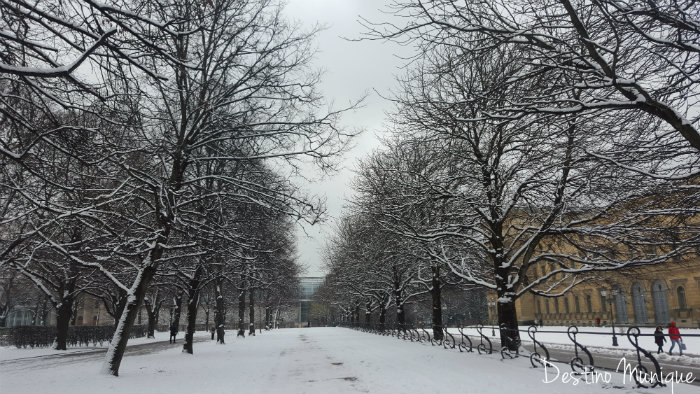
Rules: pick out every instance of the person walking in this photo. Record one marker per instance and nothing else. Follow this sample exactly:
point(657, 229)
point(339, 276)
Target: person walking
point(173, 332)
point(659, 338)
point(675, 336)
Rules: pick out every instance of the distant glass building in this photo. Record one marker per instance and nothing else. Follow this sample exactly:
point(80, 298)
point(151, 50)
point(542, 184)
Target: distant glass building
point(307, 288)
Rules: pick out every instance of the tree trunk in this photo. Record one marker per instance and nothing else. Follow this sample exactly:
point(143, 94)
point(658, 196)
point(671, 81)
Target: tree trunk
point(241, 314)
point(368, 312)
point(251, 311)
point(74, 312)
point(64, 311)
point(435, 293)
point(152, 311)
point(507, 314)
point(508, 322)
point(219, 311)
point(44, 312)
point(400, 313)
point(382, 316)
point(192, 305)
point(117, 346)
point(178, 310)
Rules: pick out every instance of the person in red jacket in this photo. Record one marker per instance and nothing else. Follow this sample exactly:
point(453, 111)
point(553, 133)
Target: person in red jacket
point(675, 336)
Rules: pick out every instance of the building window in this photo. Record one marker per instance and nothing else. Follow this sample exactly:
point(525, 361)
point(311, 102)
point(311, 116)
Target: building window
point(556, 305)
point(589, 304)
point(639, 303)
point(603, 303)
point(620, 305)
point(546, 305)
point(680, 291)
point(566, 305)
point(658, 293)
point(539, 306)
point(577, 305)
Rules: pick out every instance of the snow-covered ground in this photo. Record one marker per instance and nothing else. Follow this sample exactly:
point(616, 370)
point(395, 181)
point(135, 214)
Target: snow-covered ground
point(309, 360)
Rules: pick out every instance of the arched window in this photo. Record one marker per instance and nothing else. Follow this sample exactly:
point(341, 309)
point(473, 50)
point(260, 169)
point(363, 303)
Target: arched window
point(577, 305)
point(566, 305)
point(658, 293)
point(603, 303)
point(556, 305)
point(680, 292)
point(621, 306)
point(639, 303)
point(589, 304)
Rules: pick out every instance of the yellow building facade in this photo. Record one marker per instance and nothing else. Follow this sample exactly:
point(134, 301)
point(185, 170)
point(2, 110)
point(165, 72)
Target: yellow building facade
point(643, 296)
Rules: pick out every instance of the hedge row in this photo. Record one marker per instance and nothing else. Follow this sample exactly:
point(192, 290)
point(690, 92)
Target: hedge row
point(41, 336)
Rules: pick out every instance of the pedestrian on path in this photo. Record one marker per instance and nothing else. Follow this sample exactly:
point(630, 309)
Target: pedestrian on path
point(659, 338)
point(173, 332)
point(675, 336)
point(220, 334)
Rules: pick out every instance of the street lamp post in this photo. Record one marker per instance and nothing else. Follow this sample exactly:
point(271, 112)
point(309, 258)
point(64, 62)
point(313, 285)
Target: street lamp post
point(613, 293)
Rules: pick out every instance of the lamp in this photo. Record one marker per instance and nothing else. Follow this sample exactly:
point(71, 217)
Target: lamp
point(613, 293)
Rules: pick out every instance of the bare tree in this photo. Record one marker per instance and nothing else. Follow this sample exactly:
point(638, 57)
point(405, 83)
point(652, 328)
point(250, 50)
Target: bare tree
point(512, 187)
point(616, 55)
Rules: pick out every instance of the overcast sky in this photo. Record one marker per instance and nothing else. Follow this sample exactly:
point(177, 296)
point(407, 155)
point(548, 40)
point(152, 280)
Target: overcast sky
point(352, 69)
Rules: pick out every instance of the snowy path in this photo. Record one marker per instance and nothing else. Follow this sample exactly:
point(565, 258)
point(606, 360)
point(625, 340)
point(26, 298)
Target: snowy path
point(312, 360)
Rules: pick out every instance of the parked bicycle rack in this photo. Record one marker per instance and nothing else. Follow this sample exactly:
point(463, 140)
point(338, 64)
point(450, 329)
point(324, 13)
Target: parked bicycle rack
point(577, 365)
point(539, 355)
point(535, 357)
point(481, 348)
point(507, 351)
point(448, 342)
point(426, 335)
point(633, 336)
point(462, 346)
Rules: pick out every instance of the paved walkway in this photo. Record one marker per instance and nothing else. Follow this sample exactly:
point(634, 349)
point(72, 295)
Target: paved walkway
point(311, 360)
